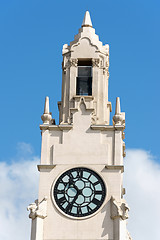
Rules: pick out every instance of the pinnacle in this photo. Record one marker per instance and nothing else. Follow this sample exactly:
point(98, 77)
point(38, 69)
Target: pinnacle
point(118, 108)
point(87, 20)
point(46, 106)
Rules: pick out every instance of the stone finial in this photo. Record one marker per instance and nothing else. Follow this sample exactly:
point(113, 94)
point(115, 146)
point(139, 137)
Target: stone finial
point(46, 117)
point(87, 20)
point(118, 118)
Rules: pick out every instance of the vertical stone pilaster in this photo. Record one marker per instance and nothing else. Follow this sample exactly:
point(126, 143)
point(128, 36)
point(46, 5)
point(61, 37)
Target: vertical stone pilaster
point(45, 152)
point(118, 147)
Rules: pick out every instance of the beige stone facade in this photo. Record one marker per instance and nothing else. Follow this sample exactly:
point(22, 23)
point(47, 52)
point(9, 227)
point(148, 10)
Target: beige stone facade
point(83, 138)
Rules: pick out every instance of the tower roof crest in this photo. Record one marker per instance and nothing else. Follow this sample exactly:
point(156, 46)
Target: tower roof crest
point(86, 32)
point(87, 20)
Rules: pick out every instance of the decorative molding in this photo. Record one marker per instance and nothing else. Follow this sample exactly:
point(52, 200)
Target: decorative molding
point(64, 126)
point(95, 62)
point(38, 209)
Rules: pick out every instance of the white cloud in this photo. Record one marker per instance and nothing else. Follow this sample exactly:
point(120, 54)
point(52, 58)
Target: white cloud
point(142, 182)
point(19, 187)
point(24, 148)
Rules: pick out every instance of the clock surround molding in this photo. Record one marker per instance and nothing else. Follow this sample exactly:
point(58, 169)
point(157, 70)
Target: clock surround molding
point(84, 217)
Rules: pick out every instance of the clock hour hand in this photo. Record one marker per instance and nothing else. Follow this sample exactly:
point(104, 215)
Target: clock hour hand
point(72, 182)
point(71, 203)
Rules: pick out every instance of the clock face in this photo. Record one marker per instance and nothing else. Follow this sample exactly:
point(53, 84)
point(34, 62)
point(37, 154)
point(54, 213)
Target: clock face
point(79, 192)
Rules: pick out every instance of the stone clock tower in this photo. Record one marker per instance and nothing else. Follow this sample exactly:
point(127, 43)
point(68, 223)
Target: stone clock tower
point(81, 170)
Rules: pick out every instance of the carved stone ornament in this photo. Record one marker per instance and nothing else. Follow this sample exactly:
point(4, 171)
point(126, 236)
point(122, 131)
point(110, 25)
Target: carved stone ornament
point(93, 118)
point(70, 119)
point(64, 70)
point(107, 61)
point(38, 209)
point(73, 62)
point(105, 70)
point(119, 210)
point(95, 62)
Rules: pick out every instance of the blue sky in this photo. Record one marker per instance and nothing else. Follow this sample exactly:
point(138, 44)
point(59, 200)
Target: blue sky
point(32, 35)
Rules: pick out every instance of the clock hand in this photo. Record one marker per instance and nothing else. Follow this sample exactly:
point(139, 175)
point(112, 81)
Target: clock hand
point(71, 181)
point(71, 203)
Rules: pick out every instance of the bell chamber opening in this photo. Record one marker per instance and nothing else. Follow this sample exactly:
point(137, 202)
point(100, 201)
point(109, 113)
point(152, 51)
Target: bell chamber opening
point(84, 78)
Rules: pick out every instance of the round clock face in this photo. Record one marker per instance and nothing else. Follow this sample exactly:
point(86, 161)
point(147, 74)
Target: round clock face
point(79, 192)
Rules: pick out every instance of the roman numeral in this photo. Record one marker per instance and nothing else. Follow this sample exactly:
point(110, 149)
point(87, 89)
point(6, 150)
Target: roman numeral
point(80, 173)
point(89, 175)
point(95, 183)
point(69, 207)
point(79, 211)
point(70, 175)
point(64, 183)
point(98, 192)
point(89, 209)
point(62, 200)
point(96, 201)
point(59, 191)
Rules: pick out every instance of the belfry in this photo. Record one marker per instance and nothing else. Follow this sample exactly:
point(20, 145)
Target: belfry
point(81, 169)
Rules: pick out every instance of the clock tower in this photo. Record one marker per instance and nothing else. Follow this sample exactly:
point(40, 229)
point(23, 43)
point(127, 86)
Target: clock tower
point(81, 169)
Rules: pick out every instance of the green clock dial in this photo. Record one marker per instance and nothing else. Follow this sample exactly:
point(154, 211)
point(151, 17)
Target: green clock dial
point(79, 192)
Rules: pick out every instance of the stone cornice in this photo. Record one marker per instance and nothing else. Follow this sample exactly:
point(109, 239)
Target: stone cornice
point(107, 127)
point(56, 127)
point(45, 167)
point(115, 167)
point(109, 167)
point(62, 127)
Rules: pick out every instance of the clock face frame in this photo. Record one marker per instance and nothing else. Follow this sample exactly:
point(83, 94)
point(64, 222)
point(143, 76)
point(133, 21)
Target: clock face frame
point(79, 192)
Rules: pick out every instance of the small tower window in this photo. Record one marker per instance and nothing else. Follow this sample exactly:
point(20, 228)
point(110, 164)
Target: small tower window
point(84, 79)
